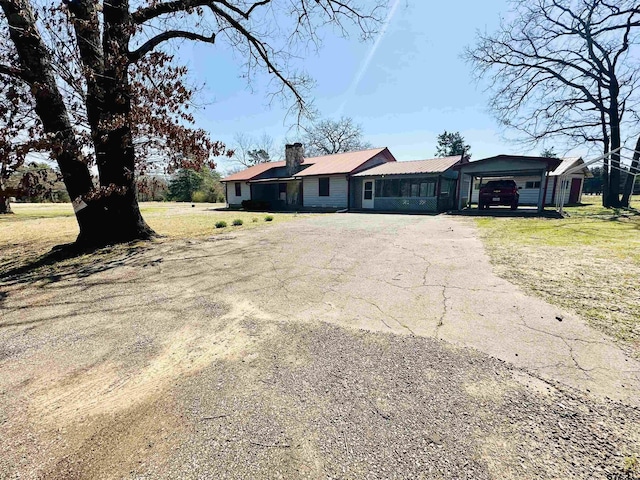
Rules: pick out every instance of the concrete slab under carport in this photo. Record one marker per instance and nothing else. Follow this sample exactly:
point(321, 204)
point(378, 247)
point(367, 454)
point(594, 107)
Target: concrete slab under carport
point(502, 166)
point(506, 212)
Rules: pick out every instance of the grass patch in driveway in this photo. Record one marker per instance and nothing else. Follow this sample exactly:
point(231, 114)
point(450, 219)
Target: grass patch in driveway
point(588, 262)
point(37, 227)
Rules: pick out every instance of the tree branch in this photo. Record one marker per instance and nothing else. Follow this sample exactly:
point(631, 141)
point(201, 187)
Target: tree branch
point(147, 13)
point(260, 48)
point(13, 72)
point(163, 37)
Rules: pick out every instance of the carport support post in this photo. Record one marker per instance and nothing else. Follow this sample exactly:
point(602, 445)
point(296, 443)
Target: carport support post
point(470, 192)
point(461, 178)
point(546, 186)
point(541, 192)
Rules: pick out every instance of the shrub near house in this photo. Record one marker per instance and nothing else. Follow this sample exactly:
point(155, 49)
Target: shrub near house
point(255, 205)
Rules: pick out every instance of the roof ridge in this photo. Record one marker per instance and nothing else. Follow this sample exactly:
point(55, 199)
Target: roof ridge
point(347, 153)
point(429, 159)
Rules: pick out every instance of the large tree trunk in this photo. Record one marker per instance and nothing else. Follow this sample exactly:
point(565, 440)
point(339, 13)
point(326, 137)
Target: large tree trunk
point(614, 173)
point(5, 204)
point(605, 179)
point(110, 214)
point(628, 187)
point(112, 132)
point(605, 167)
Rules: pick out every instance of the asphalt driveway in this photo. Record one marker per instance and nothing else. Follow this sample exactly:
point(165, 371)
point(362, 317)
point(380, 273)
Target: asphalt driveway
point(425, 276)
point(334, 346)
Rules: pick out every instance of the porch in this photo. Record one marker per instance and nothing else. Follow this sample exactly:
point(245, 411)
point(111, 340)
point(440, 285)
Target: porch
point(278, 194)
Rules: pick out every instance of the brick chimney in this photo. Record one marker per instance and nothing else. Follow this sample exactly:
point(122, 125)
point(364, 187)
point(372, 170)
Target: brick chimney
point(293, 155)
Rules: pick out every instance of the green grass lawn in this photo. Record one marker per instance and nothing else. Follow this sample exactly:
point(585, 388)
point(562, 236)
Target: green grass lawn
point(35, 228)
point(588, 262)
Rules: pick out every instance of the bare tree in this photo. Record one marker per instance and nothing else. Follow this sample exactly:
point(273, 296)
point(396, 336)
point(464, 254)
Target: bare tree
point(249, 150)
point(566, 69)
point(110, 40)
point(327, 137)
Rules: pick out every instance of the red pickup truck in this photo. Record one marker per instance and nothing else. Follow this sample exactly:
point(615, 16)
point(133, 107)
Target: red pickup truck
point(499, 192)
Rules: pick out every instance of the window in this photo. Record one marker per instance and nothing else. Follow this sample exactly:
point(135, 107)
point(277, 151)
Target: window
point(323, 187)
point(368, 190)
point(532, 185)
point(394, 188)
point(428, 189)
point(387, 188)
point(282, 188)
point(406, 188)
point(238, 189)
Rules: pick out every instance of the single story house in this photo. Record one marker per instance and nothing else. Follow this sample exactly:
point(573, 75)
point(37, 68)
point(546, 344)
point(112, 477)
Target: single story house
point(315, 183)
point(530, 185)
point(373, 180)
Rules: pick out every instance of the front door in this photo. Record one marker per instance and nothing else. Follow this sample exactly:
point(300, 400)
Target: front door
point(367, 194)
point(574, 193)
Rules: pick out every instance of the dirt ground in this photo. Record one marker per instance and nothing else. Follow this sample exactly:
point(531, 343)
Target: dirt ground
point(334, 346)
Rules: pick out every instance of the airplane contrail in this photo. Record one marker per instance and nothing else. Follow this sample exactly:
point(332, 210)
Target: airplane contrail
point(367, 61)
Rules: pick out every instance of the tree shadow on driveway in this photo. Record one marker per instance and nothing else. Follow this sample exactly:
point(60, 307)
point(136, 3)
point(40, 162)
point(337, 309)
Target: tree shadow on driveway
point(67, 261)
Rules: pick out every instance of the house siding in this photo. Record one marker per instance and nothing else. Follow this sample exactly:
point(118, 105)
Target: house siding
point(338, 188)
point(245, 191)
point(568, 189)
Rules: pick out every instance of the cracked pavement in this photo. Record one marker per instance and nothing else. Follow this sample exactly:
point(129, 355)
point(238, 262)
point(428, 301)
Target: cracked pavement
point(427, 276)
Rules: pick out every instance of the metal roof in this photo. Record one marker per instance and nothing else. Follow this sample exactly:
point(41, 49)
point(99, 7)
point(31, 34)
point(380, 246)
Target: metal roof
point(325, 165)
point(432, 165)
point(570, 162)
point(551, 163)
point(342, 162)
point(251, 172)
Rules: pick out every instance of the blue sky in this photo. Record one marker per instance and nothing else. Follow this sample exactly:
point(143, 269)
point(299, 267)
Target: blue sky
point(415, 87)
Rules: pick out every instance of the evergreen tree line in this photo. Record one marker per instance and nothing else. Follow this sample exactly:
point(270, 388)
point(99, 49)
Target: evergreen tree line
point(595, 185)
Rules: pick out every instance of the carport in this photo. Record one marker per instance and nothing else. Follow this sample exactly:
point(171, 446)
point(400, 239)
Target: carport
point(505, 166)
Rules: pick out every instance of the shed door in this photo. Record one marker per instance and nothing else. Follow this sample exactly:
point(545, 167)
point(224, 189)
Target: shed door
point(574, 193)
point(367, 194)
